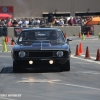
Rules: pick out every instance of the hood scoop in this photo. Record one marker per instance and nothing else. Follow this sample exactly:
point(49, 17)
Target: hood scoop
point(41, 44)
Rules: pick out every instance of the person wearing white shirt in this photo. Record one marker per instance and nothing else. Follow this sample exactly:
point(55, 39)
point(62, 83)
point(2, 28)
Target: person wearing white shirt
point(61, 22)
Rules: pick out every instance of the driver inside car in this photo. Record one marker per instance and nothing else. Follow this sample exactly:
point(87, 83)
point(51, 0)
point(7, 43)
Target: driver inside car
point(31, 36)
point(53, 36)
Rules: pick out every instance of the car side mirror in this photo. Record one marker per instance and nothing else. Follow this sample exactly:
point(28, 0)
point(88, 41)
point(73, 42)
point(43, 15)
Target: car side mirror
point(69, 39)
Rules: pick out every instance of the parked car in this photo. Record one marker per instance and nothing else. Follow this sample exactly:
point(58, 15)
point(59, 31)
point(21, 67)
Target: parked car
point(41, 47)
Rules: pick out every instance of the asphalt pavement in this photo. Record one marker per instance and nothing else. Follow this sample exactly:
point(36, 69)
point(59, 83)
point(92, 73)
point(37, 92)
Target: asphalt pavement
point(82, 82)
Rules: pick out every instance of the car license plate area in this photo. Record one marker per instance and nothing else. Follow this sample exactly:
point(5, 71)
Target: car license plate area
point(40, 54)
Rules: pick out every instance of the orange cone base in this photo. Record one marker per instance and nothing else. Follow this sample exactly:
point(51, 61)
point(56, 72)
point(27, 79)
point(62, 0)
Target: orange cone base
point(87, 58)
point(98, 55)
point(77, 55)
point(97, 59)
point(12, 43)
point(82, 53)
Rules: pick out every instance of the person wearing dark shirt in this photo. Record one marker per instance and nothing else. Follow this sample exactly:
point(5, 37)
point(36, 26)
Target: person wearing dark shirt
point(15, 23)
point(53, 36)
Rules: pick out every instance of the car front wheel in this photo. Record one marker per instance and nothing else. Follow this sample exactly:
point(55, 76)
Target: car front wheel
point(16, 67)
point(66, 66)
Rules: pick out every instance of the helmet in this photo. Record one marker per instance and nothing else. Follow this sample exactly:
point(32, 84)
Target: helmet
point(53, 35)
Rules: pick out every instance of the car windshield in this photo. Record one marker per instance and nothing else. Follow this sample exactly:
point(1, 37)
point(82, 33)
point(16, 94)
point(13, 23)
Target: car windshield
point(32, 35)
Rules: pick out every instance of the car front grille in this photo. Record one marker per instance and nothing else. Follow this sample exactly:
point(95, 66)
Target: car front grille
point(40, 54)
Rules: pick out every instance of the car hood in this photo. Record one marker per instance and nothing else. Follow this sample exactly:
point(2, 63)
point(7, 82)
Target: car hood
point(42, 46)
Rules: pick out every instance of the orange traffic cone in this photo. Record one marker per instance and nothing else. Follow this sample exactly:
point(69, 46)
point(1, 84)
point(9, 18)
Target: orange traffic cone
point(12, 42)
point(79, 36)
point(98, 55)
point(87, 54)
point(88, 34)
point(81, 48)
point(77, 51)
point(65, 35)
point(6, 41)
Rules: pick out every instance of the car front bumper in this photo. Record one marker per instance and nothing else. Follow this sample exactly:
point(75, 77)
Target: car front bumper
point(41, 62)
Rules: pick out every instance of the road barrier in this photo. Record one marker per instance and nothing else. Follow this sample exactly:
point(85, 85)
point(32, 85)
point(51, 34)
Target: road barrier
point(3, 31)
point(69, 30)
point(15, 31)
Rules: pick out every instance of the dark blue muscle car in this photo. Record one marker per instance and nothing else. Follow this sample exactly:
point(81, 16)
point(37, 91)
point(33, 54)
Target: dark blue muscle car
point(41, 46)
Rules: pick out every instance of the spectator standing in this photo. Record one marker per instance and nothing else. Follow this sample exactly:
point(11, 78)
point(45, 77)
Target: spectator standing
point(30, 22)
point(82, 24)
point(25, 22)
point(54, 22)
point(66, 21)
point(42, 21)
point(61, 22)
point(20, 23)
point(33, 21)
point(15, 23)
point(9, 23)
point(37, 21)
point(3, 23)
point(74, 21)
point(71, 22)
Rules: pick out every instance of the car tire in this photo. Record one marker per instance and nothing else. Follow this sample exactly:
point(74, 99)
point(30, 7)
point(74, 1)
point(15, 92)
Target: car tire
point(16, 68)
point(66, 66)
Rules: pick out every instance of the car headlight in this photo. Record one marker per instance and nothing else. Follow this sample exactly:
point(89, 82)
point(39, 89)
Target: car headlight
point(60, 53)
point(22, 54)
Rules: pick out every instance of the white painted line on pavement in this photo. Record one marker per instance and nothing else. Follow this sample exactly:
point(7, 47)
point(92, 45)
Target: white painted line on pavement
point(85, 59)
point(92, 39)
point(80, 86)
point(75, 40)
point(4, 56)
point(6, 98)
point(82, 62)
point(96, 73)
point(87, 72)
point(94, 58)
point(37, 81)
point(90, 57)
point(86, 39)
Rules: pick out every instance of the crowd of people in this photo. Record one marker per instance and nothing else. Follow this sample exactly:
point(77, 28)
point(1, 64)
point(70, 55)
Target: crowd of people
point(30, 22)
